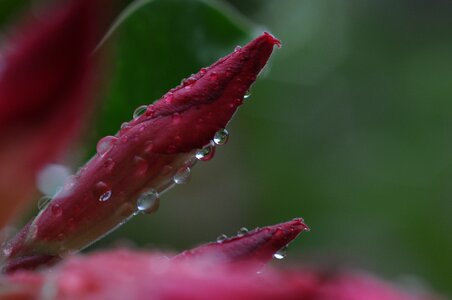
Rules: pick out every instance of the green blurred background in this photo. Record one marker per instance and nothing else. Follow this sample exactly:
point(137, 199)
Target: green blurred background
point(350, 127)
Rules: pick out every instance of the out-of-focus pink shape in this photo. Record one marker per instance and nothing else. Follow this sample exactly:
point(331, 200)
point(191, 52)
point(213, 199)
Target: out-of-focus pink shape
point(46, 76)
point(123, 274)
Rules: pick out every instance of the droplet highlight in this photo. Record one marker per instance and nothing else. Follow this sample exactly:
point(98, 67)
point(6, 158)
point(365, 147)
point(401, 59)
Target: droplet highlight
point(247, 95)
point(182, 176)
point(222, 238)
point(105, 196)
point(148, 202)
point(139, 111)
point(206, 153)
point(242, 231)
point(105, 144)
point(281, 253)
point(221, 137)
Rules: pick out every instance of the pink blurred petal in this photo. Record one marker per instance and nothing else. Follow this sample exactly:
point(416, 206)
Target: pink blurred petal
point(123, 274)
point(45, 86)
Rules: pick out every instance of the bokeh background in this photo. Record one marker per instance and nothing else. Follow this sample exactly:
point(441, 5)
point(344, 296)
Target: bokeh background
point(349, 127)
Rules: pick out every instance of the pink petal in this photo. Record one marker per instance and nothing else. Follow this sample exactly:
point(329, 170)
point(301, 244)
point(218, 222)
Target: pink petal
point(124, 274)
point(45, 82)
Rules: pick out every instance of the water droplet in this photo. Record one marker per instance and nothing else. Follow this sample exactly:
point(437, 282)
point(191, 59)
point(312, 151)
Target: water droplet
point(206, 153)
point(242, 231)
point(109, 164)
point(182, 176)
point(188, 81)
point(282, 253)
point(221, 137)
point(43, 202)
point(139, 111)
point(237, 48)
point(105, 144)
point(100, 190)
point(148, 202)
point(141, 165)
point(247, 95)
point(222, 238)
point(105, 196)
point(56, 210)
point(203, 71)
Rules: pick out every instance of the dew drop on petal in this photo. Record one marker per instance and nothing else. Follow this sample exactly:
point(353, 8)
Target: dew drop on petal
point(182, 176)
point(237, 48)
point(56, 210)
point(105, 144)
point(206, 153)
point(222, 238)
point(242, 231)
point(43, 202)
point(148, 202)
point(105, 196)
point(139, 111)
point(247, 95)
point(281, 253)
point(221, 137)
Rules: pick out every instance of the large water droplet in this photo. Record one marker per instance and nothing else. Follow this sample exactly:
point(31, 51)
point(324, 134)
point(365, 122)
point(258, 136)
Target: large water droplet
point(182, 176)
point(105, 196)
point(206, 153)
point(242, 231)
point(282, 253)
point(221, 137)
point(247, 95)
point(148, 202)
point(43, 202)
point(139, 111)
point(105, 144)
point(222, 238)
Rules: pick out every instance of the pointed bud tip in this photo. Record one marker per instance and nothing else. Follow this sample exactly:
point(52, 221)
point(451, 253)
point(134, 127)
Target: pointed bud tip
point(271, 38)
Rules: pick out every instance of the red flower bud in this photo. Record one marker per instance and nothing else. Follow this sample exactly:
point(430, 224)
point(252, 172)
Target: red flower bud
point(147, 156)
